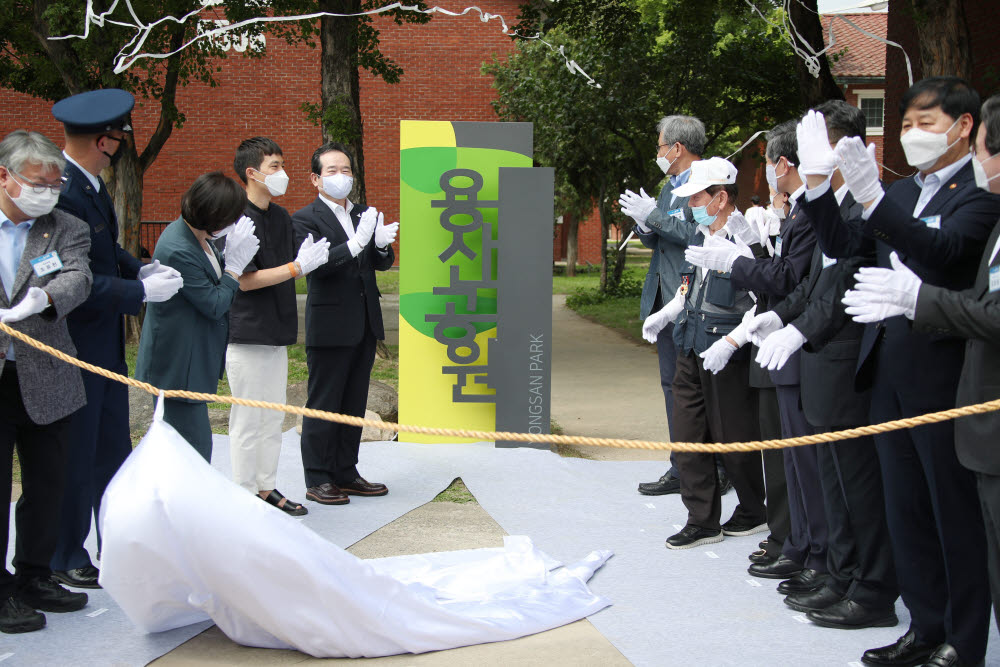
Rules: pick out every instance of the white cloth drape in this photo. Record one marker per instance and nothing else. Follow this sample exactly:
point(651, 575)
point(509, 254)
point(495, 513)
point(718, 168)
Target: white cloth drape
point(182, 544)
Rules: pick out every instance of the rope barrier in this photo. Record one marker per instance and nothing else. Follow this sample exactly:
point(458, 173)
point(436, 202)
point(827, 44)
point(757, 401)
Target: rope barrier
point(541, 438)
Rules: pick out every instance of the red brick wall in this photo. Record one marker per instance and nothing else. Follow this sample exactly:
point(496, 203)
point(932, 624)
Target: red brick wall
point(588, 241)
point(851, 97)
point(442, 81)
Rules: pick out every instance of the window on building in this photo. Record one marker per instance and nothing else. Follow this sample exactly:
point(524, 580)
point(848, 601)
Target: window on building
point(872, 103)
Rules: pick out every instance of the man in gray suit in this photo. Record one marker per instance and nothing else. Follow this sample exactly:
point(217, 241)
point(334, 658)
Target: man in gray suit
point(665, 226)
point(973, 314)
point(45, 274)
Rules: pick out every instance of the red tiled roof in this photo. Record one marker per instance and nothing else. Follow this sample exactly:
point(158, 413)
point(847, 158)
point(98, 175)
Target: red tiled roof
point(859, 54)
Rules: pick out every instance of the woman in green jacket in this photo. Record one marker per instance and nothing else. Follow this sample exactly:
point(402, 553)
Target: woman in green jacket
point(183, 343)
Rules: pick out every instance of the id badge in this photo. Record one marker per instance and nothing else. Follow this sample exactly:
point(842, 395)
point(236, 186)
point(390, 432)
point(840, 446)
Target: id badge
point(828, 261)
point(777, 247)
point(994, 279)
point(677, 213)
point(46, 264)
point(932, 221)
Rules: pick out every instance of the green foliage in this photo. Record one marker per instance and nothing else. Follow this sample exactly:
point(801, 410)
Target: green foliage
point(335, 122)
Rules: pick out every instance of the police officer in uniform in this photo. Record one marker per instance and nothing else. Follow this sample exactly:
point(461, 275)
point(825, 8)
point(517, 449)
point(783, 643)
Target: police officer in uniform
point(96, 124)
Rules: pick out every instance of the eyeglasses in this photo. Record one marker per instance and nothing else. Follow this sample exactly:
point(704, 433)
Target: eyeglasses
point(40, 188)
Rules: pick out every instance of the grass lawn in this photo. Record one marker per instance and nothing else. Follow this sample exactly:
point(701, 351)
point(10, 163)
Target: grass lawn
point(618, 314)
point(388, 282)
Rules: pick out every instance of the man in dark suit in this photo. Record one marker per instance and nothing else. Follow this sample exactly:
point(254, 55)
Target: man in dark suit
point(803, 560)
point(96, 124)
point(44, 275)
point(973, 314)
point(343, 321)
point(665, 226)
point(861, 589)
point(938, 222)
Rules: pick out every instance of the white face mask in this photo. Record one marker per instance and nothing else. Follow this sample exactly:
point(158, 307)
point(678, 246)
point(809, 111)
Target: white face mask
point(224, 231)
point(923, 148)
point(982, 180)
point(31, 203)
point(778, 210)
point(276, 183)
point(664, 164)
point(338, 186)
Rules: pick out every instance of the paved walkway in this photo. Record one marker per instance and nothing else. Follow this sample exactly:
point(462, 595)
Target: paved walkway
point(603, 384)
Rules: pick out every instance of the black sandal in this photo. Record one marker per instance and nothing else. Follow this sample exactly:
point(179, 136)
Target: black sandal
point(290, 507)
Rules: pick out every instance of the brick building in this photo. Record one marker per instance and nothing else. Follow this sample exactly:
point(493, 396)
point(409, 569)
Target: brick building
point(442, 81)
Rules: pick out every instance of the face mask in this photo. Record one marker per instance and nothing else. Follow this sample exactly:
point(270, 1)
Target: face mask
point(701, 215)
point(117, 155)
point(778, 210)
point(982, 180)
point(338, 186)
point(923, 148)
point(771, 174)
point(32, 204)
point(275, 183)
point(224, 231)
point(664, 164)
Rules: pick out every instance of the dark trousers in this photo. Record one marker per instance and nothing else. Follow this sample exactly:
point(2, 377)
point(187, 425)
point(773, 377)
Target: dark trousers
point(935, 521)
point(191, 421)
point(807, 540)
point(989, 499)
point(338, 382)
point(858, 557)
point(717, 408)
point(42, 452)
point(778, 520)
point(666, 351)
point(100, 444)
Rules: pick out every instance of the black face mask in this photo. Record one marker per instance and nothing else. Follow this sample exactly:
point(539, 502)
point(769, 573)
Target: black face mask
point(117, 155)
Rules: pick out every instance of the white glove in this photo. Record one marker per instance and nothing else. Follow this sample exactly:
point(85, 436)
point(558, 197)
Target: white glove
point(385, 234)
point(815, 155)
point(717, 356)
point(655, 322)
point(738, 226)
point(160, 286)
point(155, 267)
point(637, 206)
point(366, 228)
point(241, 246)
point(883, 293)
point(858, 167)
point(779, 346)
point(757, 218)
point(312, 255)
point(717, 254)
point(762, 326)
point(34, 302)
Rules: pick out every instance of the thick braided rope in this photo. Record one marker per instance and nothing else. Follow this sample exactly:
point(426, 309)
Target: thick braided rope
point(833, 436)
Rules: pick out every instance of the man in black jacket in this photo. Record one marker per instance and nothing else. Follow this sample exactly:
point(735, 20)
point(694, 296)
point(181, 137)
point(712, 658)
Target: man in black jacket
point(973, 314)
point(343, 321)
point(861, 590)
point(938, 222)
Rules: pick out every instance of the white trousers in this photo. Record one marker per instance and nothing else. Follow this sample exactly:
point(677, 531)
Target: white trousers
point(258, 372)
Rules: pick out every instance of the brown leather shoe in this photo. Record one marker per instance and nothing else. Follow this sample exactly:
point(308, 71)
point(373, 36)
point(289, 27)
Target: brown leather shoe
point(359, 486)
point(327, 494)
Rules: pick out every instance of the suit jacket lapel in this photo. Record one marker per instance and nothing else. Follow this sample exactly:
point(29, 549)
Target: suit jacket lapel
point(948, 189)
point(334, 231)
point(983, 277)
point(205, 261)
point(74, 173)
point(38, 240)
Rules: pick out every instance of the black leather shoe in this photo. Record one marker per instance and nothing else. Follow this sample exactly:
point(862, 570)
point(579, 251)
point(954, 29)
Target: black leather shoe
point(806, 581)
point(359, 486)
point(693, 536)
point(782, 568)
point(47, 595)
point(761, 557)
point(738, 528)
point(15, 616)
point(722, 479)
point(661, 487)
point(327, 494)
point(946, 656)
point(849, 615)
point(813, 600)
point(907, 651)
point(80, 577)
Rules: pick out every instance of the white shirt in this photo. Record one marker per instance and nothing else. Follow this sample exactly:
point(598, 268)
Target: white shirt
point(94, 180)
point(215, 263)
point(12, 240)
point(930, 185)
point(794, 197)
point(343, 215)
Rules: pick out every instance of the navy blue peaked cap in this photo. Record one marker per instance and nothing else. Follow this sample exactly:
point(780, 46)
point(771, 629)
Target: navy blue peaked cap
point(95, 111)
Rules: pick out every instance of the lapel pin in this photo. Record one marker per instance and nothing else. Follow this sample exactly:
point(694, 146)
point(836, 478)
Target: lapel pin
point(953, 186)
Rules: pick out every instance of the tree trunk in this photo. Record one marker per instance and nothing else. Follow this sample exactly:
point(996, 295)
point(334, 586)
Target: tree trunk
point(943, 35)
point(125, 187)
point(620, 253)
point(804, 15)
point(340, 86)
point(572, 223)
point(605, 216)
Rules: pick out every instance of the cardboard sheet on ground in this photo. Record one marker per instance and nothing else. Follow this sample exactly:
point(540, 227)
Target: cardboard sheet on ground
point(183, 544)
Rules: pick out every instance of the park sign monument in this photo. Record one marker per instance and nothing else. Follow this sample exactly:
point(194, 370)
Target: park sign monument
point(475, 283)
